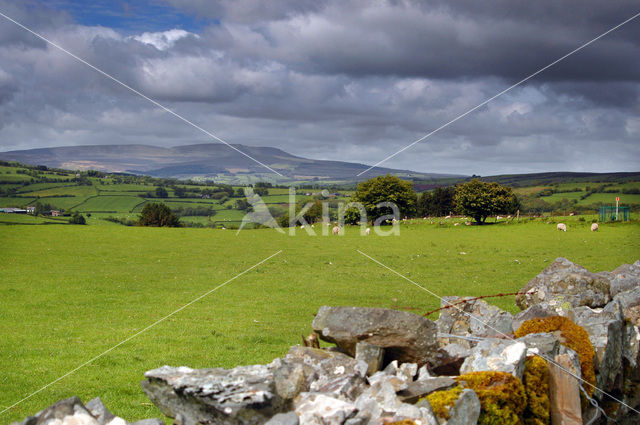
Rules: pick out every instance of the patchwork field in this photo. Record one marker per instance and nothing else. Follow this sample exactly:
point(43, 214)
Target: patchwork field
point(69, 293)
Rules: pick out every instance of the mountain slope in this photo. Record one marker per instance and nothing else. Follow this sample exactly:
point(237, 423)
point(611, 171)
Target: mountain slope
point(202, 160)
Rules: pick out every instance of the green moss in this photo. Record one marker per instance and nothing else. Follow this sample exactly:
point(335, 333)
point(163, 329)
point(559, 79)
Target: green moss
point(536, 387)
point(502, 396)
point(573, 336)
point(442, 401)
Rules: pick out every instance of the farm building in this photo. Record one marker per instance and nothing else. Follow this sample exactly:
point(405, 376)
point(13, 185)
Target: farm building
point(13, 210)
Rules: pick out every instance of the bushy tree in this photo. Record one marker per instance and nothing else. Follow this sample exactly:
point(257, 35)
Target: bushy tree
point(161, 192)
point(438, 203)
point(77, 218)
point(386, 189)
point(480, 199)
point(158, 215)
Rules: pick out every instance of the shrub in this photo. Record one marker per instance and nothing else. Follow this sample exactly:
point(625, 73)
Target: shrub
point(158, 215)
point(77, 218)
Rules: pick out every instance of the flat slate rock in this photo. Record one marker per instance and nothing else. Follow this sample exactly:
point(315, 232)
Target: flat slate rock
point(405, 337)
point(245, 395)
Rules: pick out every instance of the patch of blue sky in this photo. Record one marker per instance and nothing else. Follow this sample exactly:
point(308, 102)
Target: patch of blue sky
point(129, 17)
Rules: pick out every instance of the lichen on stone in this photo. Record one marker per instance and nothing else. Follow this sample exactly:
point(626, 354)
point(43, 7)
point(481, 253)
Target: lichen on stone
point(536, 387)
point(573, 337)
point(502, 396)
point(403, 422)
point(442, 401)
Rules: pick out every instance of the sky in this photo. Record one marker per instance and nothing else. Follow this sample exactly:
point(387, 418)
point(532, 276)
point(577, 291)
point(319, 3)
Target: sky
point(341, 80)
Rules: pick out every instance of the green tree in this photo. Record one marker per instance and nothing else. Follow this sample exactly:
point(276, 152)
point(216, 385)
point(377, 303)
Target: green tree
point(158, 215)
point(161, 192)
point(480, 199)
point(77, 218)
point(180, 191)
point(439, 202)
point(386, 189)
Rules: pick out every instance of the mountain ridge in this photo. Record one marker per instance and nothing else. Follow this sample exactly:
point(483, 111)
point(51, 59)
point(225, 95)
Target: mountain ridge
point(206, 160)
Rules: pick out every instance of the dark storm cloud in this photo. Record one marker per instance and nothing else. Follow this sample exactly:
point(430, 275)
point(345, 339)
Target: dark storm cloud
point(339, 80)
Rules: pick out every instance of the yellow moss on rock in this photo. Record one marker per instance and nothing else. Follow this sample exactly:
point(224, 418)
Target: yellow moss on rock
point(403, 422)
point(536, 387)
point(502, 396)
point(442, 401)
point(573, 337)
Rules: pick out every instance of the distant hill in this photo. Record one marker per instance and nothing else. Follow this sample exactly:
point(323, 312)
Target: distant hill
point(202, 160)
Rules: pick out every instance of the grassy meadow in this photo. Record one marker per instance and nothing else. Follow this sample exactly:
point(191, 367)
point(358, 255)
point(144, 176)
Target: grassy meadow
point(68, 293)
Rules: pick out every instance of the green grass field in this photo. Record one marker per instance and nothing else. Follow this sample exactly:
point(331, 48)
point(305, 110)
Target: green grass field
point(68, 293)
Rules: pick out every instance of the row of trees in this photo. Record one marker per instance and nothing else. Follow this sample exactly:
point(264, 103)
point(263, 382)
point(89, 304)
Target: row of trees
point(475, 198)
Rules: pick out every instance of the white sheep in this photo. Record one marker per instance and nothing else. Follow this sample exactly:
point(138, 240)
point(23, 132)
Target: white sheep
point(594, 227)
point(456, 224)
point(562, 226)
point(367, 231)
point(336, 230)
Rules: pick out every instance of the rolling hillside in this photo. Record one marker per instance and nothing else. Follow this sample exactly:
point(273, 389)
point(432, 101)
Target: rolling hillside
point(207, 161)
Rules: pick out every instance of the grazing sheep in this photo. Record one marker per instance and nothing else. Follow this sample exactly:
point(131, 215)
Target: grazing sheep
point(456, 224)
point(594, 227)
point(562, 226)
point(467, 223)
point(448, 216)
point(367, 231)
point(336, 230)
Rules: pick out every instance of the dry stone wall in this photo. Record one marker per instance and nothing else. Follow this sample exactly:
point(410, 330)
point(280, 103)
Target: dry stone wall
point(571, 356)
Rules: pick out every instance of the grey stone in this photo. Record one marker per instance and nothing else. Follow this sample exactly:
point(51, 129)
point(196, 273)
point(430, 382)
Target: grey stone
point(422, 387)
point(541, 344)
point(290, 380)
point(391, 368)
point(533, 312)
point(396, 382)
point(289, 418)
point(328, 371)
point(406, 337)
point(71, 411)
point(380, 400)
point(631, 350)
point(564, 282)
point(152, 421)
point(358, 420)
point(630, 303)
point(423, 372)
point(407, 371)
point(371, 354)
point(475, 318)
point(496, 355)
point(67, 411)
point(99, 410)
point(466, 410)
point(320, 409)
point(625, 278)
point(605, 333)
point(245, 395)
point(450, 359)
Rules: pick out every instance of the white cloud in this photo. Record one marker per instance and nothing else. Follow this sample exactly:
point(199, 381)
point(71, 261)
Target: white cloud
point(163, 40)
